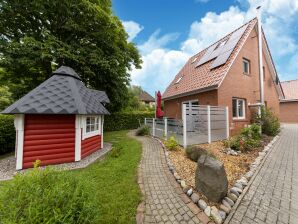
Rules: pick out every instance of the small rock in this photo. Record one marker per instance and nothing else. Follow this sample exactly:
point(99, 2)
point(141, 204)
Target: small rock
point(235, 189)
point(189, 192)
point(186, 189)
point(179, 181)
point(207, 211)
point(249, 175)
point(234, 192)
point(177, 177)
point(183, 184)
point(225, 208)
point(232, 196)
point(243, 181)
point(230, 201)
point(238, 185)
point(195, 198)
point(202, 204)
point(215, 215)
point(222, 214)
point(225, 203)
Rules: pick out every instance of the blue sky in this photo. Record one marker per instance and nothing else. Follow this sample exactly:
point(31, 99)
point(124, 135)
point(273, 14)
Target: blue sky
point(168, 32)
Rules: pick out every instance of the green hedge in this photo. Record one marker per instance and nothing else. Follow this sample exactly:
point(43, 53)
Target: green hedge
point(7, 134)
point(125, 120)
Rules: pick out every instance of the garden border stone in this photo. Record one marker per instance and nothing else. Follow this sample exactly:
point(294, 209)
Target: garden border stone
point(245, 181)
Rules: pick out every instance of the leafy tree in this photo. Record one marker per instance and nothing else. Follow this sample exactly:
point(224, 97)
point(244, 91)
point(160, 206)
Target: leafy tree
point(5, 97)
point(37, 36)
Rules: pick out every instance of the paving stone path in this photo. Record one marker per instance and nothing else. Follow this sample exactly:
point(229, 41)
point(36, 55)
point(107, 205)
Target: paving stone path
point(164, 200)
point(272, 196)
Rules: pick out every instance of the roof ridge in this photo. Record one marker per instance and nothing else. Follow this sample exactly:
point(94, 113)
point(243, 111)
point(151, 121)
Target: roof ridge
point(224, 37)
point(77, 96)
point(293, 80)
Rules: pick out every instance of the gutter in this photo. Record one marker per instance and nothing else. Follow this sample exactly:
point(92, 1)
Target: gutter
point(205, 89)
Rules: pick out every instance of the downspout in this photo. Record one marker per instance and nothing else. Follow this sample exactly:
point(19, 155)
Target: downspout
point(260, 44)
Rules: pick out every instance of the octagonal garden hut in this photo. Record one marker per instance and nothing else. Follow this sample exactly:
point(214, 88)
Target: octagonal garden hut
point(59, 121)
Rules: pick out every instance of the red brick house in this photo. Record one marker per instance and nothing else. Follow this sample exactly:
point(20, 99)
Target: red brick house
point(289, 104)
point(227, 74)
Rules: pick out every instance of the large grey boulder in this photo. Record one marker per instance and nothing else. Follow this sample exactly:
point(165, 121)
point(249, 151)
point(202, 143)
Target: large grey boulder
point(211, 178)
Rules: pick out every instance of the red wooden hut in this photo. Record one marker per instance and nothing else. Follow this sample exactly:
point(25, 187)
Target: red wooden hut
point(59, 121)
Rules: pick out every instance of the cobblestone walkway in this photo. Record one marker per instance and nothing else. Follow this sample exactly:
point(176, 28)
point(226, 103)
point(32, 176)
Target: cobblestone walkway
point(273, 195)
point(164, 200)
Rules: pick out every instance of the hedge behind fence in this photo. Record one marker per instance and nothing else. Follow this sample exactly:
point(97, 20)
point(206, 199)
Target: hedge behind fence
point(7, 134)
point(125, 120)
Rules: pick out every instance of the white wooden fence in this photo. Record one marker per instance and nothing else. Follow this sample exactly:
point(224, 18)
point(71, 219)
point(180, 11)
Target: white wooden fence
point(199, 124)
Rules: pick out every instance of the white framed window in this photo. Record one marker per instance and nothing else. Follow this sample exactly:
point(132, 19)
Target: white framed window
point(91, 126)
point(238, 108)
point(246, 66)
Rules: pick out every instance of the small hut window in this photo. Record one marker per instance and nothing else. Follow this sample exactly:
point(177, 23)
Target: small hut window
point(92, 124)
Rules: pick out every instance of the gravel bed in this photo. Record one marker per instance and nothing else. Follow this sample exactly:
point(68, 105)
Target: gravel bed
point(8, 164)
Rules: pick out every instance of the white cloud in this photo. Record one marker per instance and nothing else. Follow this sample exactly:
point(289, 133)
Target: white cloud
point(155, 42)
point(132, 28)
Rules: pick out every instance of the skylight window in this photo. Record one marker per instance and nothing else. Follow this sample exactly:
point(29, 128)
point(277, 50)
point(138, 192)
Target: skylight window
point(178, 80)
point(194, 60)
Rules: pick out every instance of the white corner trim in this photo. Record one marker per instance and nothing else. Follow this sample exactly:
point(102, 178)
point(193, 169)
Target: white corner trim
point(93, 133)
point(78, 137)
point(19, 126)
point(102, 122)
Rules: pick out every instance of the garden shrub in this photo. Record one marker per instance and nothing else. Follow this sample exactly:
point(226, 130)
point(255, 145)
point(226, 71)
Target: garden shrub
point(248, 139)
point(171, 143)
point(7, 134)
point(194, 152)
point(47, 196)
point(126, 120)
point(143, 130)
point(269, 121)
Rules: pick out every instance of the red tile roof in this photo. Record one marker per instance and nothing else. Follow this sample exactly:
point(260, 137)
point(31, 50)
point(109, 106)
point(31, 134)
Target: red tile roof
point(290, 89)
point(200, 78)
point(144, 96)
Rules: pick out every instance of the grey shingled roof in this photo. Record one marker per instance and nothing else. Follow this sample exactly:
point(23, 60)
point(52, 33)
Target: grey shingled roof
point(63, 93)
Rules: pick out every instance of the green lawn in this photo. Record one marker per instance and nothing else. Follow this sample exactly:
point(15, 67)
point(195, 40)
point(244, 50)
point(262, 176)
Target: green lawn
point(115, 180)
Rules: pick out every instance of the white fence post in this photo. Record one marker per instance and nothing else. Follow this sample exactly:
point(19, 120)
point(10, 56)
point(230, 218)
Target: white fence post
point(209, 123)
point(228, 123)
point(153, 126)
point(166, 128)
point(184, 125)
point(145, 122)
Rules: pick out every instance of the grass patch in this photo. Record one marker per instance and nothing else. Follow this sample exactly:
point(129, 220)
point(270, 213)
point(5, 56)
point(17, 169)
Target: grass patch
point(115, 180)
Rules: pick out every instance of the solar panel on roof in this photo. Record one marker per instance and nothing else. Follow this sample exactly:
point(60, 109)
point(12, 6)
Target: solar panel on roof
point(221, 59)
point(205, 57)
point(219, 49)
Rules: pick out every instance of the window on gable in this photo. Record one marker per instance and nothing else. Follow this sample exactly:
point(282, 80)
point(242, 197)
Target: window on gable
point(246, 66)
point(238, 108)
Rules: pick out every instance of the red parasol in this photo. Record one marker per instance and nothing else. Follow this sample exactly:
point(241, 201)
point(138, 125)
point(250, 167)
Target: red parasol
point(159, 112)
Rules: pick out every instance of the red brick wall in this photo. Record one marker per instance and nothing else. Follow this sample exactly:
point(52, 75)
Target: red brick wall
point(237, 84)
point(173, 108)
point(289, 112)
point(49, 138)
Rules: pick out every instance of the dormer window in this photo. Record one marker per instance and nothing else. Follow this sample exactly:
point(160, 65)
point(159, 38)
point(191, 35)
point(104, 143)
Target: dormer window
point(178, 80)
